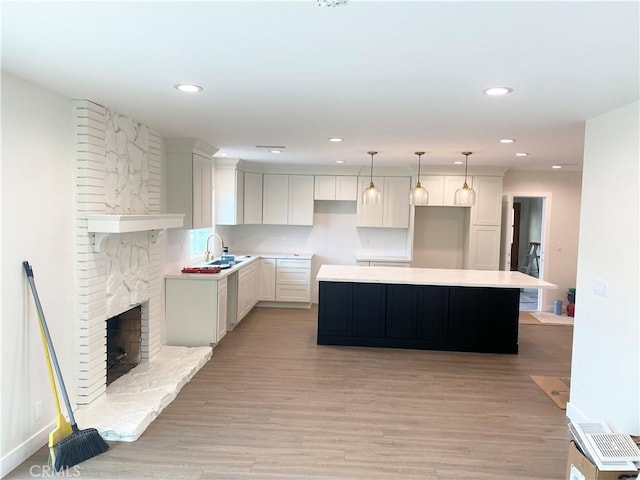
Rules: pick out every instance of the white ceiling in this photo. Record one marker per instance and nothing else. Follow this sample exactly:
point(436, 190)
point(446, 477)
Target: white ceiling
point(395, 77)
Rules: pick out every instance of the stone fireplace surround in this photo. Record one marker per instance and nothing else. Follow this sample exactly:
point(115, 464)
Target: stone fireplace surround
point(118, 171)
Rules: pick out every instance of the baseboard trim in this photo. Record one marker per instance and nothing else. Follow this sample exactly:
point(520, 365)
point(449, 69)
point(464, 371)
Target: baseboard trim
point(27, 448)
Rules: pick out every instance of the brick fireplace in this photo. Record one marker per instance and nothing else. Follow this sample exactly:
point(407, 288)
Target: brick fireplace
point(117, 172)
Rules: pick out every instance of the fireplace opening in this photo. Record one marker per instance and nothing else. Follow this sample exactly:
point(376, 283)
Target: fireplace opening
point(124, 333)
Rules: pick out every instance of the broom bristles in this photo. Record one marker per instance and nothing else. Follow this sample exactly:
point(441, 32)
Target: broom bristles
point(81, 445)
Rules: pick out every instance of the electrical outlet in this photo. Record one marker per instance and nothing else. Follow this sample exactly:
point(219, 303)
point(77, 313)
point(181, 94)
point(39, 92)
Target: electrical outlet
point(37, 411)
point(600, 287)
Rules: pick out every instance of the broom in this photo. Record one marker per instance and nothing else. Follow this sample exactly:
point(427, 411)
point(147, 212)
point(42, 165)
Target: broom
point(63, 428)
point(80, 445)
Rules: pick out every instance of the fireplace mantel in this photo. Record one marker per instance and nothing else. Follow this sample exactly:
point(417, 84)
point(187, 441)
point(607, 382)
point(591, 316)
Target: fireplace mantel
point(103, 225)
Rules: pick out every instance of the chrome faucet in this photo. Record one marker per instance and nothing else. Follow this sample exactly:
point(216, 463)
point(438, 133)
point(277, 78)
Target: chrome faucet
point(207, 253)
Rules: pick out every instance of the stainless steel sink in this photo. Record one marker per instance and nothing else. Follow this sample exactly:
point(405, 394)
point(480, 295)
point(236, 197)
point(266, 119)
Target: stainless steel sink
point(221, 264)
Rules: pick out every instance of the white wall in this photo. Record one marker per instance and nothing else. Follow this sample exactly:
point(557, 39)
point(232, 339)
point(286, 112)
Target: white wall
point(561, 252)
point(37, 225)
point(439, 237)
point(605, 372)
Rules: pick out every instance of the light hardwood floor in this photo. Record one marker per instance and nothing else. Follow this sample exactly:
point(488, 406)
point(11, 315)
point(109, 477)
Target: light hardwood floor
point(273, 405)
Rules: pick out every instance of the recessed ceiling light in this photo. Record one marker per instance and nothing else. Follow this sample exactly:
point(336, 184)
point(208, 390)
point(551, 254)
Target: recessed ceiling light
point(458, 162)
point(507, 140)
point(521, 154)
point(275, 151)
point(339, 161)
point(336, 139)
point(556, 166)
point(493, 91)
point(188, 87)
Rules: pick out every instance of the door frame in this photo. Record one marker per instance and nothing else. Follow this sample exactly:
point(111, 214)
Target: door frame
point(545, 234)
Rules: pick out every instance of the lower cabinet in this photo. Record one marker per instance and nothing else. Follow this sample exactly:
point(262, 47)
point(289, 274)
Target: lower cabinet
point(474, 319)
point(248, 289)
point(195, 311)
point(285, 280)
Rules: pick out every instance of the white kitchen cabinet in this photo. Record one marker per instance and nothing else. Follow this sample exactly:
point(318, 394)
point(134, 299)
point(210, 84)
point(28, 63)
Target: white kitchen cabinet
point(222, 309)
point(370, 215)
point(247, 289)
point(434, 184)
point(300, 207)
point(287, 199)
point(189, 180)
point(229, 194)
point(330, 187)
point(396, 202)
point(488, 207)
point(267, 288)
point(393, 212)
point(252, 198)
point(193, 313)
point(383, 263)
point(293, 280)
point(484, 247)
point(275, 199)
point(451, 184)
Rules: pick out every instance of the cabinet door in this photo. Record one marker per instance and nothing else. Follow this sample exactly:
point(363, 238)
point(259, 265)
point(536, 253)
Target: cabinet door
point(488, 207)
point(243, 294)
point(300, 208)
point(252, 198)
point(434, 184)
point(484, 247)
point(433, 312)
point(202, 190)
point(495, 314)
point(335, 309)
point(346, 187)
point(229, 196)
point(325, 187)
point(370, 215)
point(267, 279)
point(369, 300)
point(275, 199)
point(222, 309)
point(402, 302)
point(451, 184)
point(396, 202)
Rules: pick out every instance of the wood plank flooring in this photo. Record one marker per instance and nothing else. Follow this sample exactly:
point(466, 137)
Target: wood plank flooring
point(271, 404)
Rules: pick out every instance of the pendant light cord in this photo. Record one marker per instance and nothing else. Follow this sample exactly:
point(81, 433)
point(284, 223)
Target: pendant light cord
point(371, 179)
point(466, 162)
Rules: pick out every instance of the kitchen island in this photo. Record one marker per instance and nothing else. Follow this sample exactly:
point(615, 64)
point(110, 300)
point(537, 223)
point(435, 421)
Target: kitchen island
point(423, 308)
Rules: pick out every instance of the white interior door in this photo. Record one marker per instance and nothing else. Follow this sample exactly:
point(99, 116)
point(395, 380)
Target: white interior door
point(506, 237)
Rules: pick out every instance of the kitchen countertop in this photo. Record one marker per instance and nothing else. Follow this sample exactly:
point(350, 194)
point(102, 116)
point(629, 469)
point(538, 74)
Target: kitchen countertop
point(429, 276)
point(225, 272)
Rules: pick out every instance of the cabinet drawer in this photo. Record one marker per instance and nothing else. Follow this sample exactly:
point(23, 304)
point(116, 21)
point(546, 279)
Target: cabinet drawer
point(292, 276)
point(294, 263)
point(293, 293)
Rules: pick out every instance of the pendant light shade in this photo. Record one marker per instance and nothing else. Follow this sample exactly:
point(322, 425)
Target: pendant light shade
point(418, 195)
point(371, 195)
point(465, 196)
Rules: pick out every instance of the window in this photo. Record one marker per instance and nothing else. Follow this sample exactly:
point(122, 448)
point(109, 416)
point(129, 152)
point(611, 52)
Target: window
point(198, 241)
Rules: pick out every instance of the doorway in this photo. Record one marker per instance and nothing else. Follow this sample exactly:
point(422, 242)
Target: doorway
point(524, 241)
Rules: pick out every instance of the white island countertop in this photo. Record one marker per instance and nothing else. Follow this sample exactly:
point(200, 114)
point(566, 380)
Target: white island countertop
point(429, 276)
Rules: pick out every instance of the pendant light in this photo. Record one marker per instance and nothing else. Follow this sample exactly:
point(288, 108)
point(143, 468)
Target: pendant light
point(465, 196)
point(371, 195)
point(418, 195)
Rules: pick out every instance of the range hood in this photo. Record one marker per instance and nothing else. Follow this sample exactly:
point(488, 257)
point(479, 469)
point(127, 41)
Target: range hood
point(104, 225)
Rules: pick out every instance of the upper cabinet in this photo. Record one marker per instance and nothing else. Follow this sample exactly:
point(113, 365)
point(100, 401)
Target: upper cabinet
point(442, 188)
point(451, 184)
point(287, 199)
point(488, 207)
point(330, 187)
point(300, 211)
point(252, 198)
point(229, 193)
point(393, 212)
point(189, 180)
